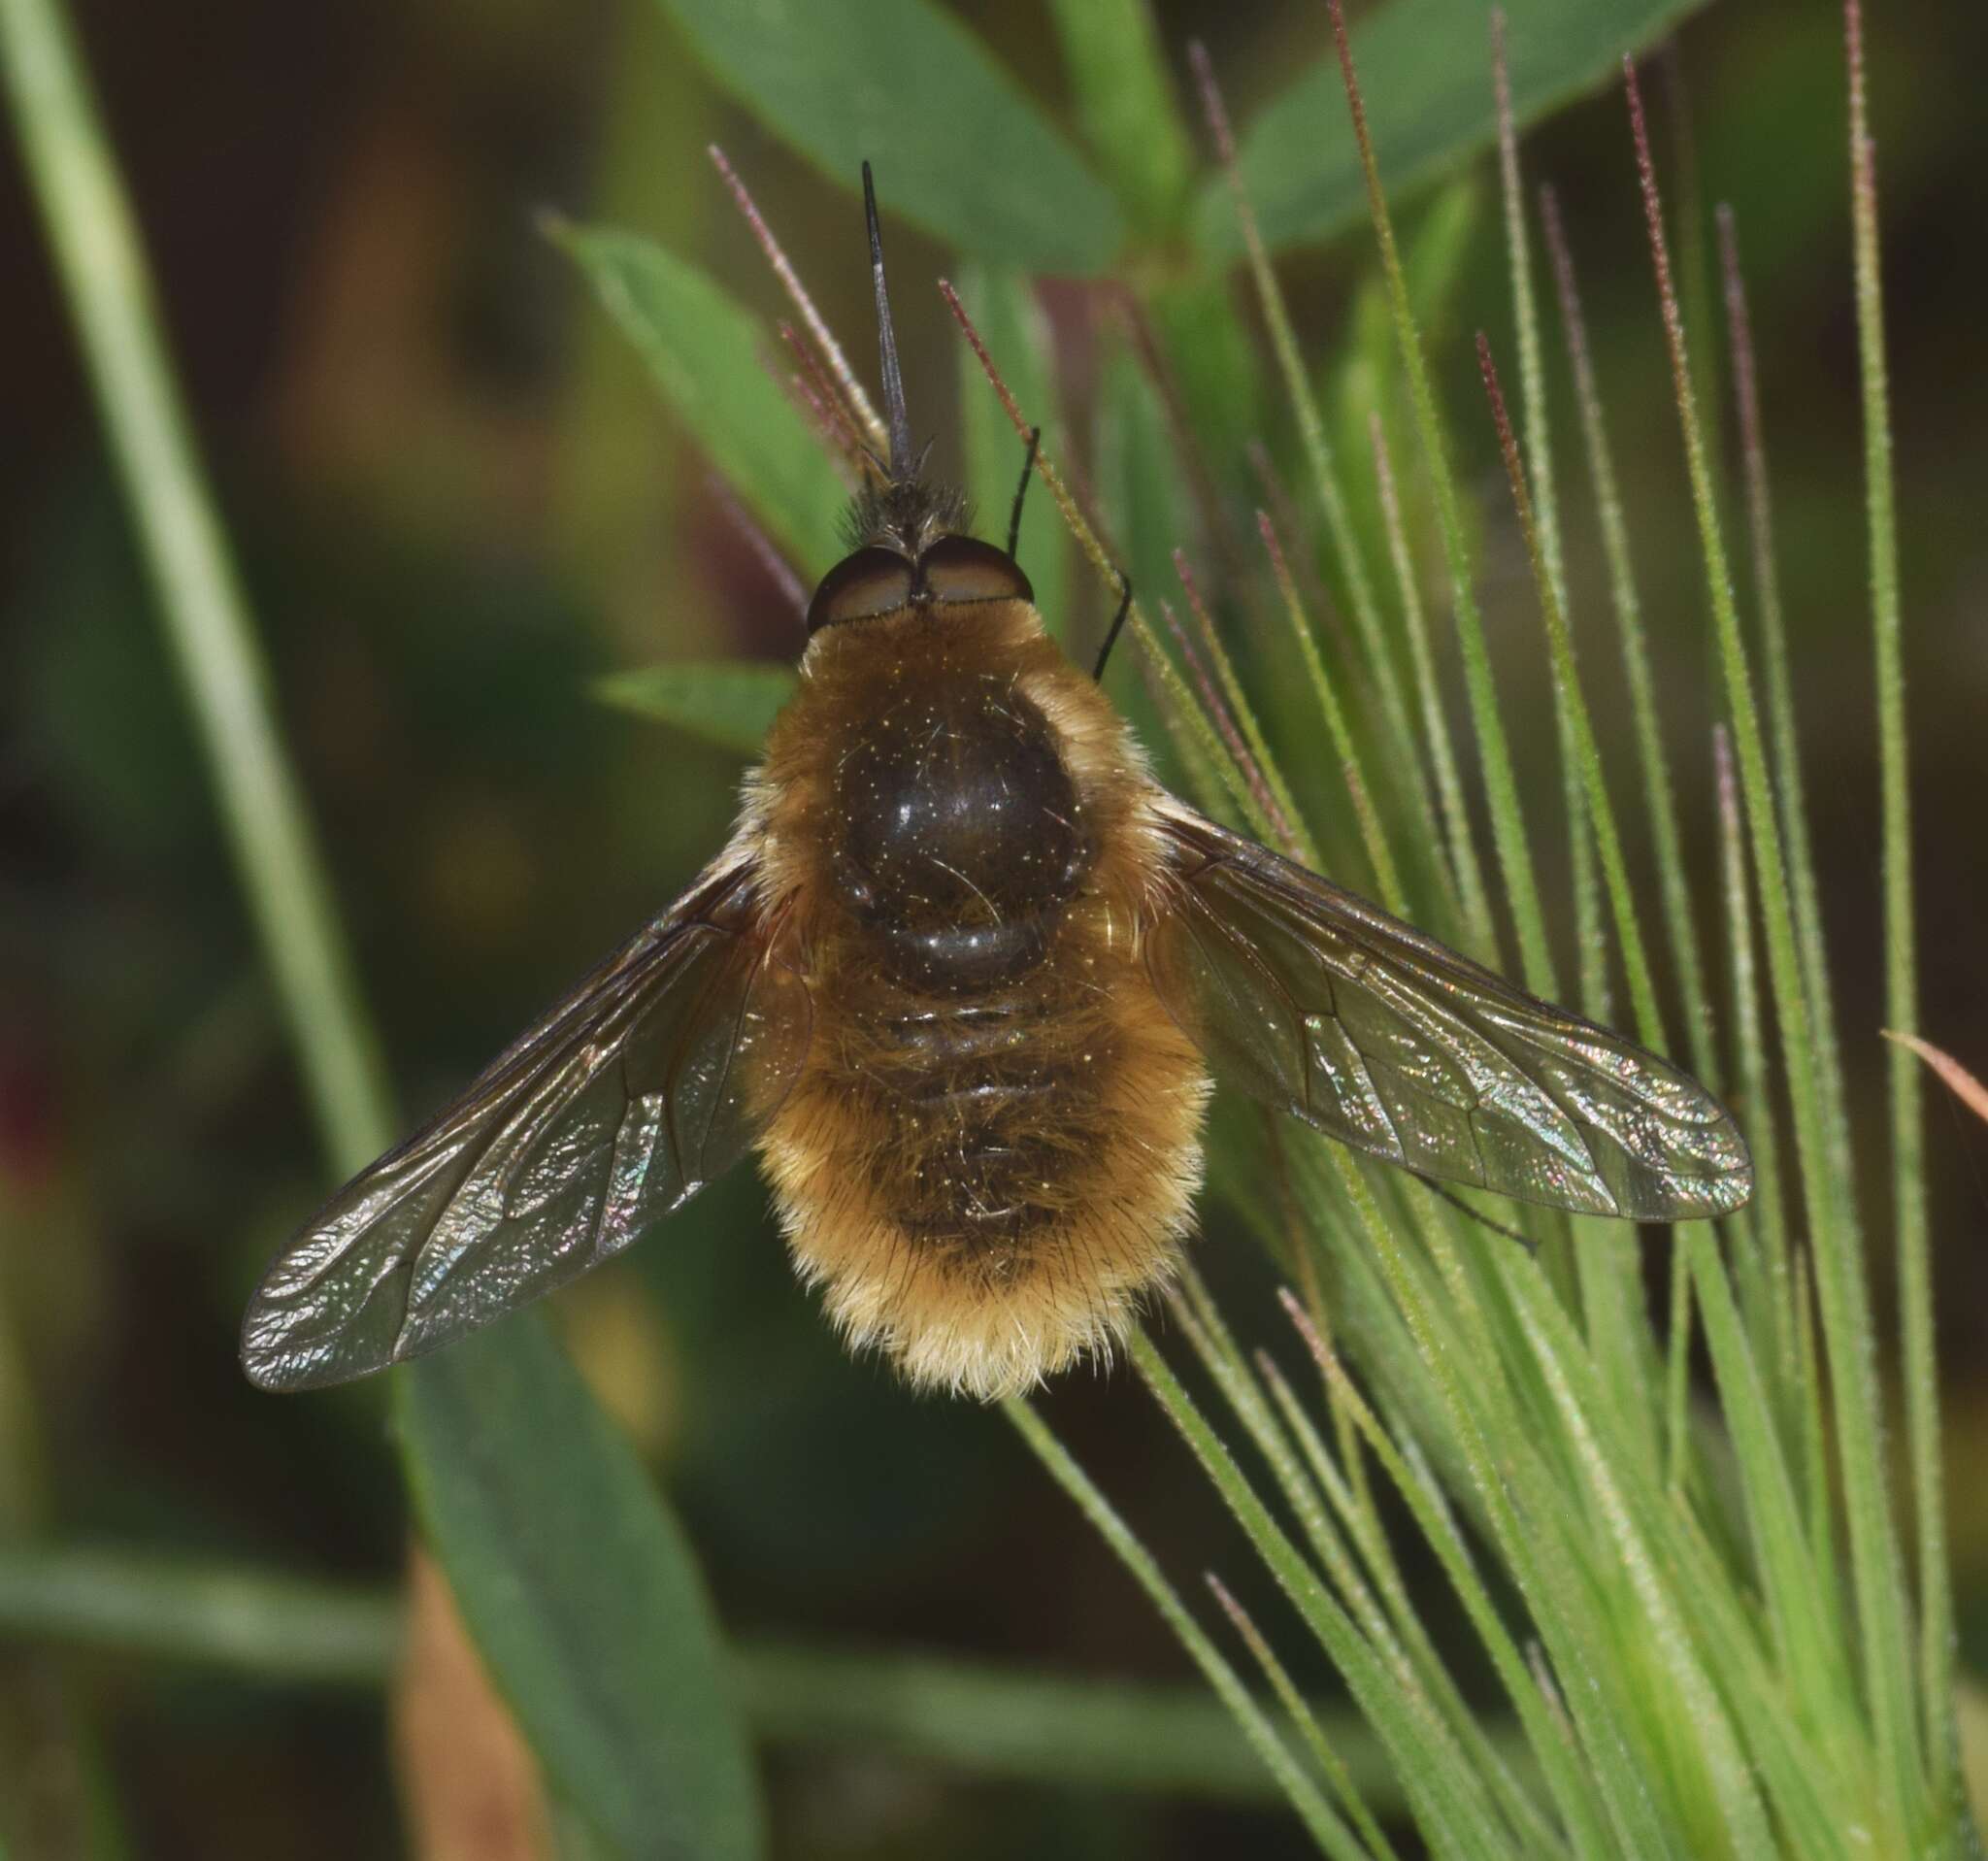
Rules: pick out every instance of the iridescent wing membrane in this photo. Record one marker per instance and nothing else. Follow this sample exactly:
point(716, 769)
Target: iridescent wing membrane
point(1324, 1007)
point(644, 1085)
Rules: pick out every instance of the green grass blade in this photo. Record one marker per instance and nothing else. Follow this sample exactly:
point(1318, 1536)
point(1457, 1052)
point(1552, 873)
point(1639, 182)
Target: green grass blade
point(1125, 103)
point(1355, 1509)
point(1579, 730)
point(1474, 901)
point(1320, 1819)
point(730, 703)
point(268, 1624)
point(1900, 967)
point(1301, 1716)
point(1744, 1813)
point(709, 358)
point(959, 146)
point(1424, 62)
point(89, 226)
point(581, 1594)
point(1839, 1254)
point(1011, 323)
point(1346, 749)
point(89, 223)
point(1572, 1791)
point(1526, 1513)
point(1778, 679)
point(1446, 1794)
point(1769, 1279)
point(1798, 1604)
point(1591, 952)
point(1349, 554)
point(1507, 822)
point(1659, 791)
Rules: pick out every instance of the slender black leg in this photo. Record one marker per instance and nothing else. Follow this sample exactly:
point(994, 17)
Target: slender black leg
point(1021, 490)
point(1462, 1207)
point(1117, 624)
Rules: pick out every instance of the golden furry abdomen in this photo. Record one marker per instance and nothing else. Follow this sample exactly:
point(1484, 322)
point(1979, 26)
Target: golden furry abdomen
point(995, 1142)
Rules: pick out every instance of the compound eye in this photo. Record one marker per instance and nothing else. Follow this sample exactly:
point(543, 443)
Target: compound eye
point(860, 587)
point(962, 568)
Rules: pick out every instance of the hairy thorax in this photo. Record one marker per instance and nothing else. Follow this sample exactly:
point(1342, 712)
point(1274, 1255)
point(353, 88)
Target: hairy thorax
point(958, 837)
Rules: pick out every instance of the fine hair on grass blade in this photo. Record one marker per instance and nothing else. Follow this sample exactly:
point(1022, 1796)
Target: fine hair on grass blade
point(1839, 1266)
point(1508, 831)
point(1901, 964)
point(1544, 544)
point(1348, 553)
point(848, 385)
point(1324, 1823)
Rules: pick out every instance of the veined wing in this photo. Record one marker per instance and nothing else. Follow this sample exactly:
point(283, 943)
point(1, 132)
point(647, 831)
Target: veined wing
point(644, 1085)
point(1323, 1006)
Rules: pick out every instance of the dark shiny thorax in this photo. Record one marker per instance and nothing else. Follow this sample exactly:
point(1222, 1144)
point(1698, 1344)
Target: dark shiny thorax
point(961, 835)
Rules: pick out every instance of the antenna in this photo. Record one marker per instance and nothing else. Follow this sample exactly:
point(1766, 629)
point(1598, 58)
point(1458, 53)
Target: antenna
point(902, 469)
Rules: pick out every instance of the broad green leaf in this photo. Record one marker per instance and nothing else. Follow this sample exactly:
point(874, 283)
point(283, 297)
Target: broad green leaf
point(1425, 72)
point(958, 146)
point(1125, 102)
point(708, 356)
point(583, 1596)
point(730, 701)
point(1011, 322)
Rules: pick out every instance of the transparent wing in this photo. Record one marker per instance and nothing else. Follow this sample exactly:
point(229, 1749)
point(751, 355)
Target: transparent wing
point(644, 1085)
point(1323, 1006)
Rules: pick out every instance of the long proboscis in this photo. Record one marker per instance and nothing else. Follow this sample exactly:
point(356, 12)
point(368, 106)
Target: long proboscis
point(895, 415)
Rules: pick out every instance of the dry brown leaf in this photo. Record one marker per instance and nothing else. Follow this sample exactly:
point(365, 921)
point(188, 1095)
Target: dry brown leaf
point(1962, 1083)
point(471, 1788)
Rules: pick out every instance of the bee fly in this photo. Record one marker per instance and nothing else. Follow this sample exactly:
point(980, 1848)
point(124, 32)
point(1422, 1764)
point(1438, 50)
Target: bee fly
point(963, 976)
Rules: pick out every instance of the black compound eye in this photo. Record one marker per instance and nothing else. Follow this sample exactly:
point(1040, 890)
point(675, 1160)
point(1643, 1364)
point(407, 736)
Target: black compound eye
point(860, 587)
point(962, 568)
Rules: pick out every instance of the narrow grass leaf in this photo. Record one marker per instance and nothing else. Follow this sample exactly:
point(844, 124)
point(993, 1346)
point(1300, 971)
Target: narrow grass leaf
point(1011, 323)
point(709, 358)
point(1349, 554)
point(1125, 104)
point(1301, 1716)
point(1901, 950)
point(1508, 821)
point(1590, 943)
point(730, 703)
point(87, 217)
point(959, 146)
point(581, 1594)
point(1847, 1326)
point(1446, 1792)
point(1324, 1823)
point(1426, 71)
point(1658, 788)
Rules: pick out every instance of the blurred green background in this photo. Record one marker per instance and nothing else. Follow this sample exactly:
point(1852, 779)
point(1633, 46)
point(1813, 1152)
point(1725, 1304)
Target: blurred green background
point(458, 502)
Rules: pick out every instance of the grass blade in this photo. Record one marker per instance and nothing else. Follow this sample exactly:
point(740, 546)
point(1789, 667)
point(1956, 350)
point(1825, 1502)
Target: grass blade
point(708, 357)
point(730, 703)
point(1900, 965)
point(1839, 1253)
point(959, 146)
point(1323, 1822)
point(1425, 68)
point(1126, 106)
point(581, 1594)
point(90, 228)
point(1507, 822)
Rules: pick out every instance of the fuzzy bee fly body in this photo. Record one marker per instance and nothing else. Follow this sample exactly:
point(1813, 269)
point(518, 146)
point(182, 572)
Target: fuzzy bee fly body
point(964, 977)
